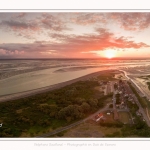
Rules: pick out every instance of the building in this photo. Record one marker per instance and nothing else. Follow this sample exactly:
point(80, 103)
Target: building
point(98, 117)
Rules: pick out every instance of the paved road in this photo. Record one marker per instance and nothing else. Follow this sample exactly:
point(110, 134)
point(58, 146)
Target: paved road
point(74, 124)
point(79, 122)
point(142, 111)
point(136, 100)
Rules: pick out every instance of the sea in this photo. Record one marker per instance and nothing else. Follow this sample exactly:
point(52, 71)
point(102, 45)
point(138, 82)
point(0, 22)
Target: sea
point(20, 75)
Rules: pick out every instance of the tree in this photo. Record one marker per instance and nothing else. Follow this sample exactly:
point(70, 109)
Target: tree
point(72, 112)
point(115, 86)
point(120, 81)
point(85, 107)
point(111, 106)
point(93, 103)
point(117, 98)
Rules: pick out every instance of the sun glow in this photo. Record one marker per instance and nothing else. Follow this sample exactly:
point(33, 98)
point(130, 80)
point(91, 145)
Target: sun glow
point(110, 53)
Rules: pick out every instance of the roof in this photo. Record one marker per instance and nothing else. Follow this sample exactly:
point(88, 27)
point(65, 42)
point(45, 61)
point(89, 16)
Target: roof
point(99, 115)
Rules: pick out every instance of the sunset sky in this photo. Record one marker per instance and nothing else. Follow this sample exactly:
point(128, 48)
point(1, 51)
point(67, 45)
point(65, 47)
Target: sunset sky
point(74, 35)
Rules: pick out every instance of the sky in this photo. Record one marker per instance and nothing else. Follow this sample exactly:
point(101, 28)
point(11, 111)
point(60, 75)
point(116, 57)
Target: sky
point(74, 35)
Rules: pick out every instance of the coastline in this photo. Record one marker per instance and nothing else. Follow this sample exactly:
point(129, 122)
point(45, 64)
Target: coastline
point(51, 87)
point(137, 85)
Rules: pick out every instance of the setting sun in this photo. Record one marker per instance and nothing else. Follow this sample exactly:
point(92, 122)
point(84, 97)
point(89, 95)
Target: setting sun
point(110, 54)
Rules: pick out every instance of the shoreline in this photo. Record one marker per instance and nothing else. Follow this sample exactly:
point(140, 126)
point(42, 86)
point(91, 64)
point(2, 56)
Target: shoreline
point(138, 85)
point(29, 93)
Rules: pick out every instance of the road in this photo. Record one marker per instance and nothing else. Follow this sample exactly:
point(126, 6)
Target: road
point(142, 111)
point(75, 124)
point(80, 122)
point(137, 102)
point(140, 91)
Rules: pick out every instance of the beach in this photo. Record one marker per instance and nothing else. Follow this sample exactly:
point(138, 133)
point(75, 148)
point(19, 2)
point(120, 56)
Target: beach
point(50, 88)
point(30, 77)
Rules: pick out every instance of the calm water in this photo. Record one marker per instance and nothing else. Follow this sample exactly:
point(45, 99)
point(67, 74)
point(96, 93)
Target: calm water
point(24, 75)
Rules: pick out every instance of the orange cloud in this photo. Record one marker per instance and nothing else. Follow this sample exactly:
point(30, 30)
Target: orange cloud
point(75, 44)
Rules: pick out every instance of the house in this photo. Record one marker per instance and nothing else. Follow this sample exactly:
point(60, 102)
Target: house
point(98, 117)
point(138, 113)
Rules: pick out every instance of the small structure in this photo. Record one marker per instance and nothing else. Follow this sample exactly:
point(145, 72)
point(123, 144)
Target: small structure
point(138, 113)
point(98, 117)
point(1, 124)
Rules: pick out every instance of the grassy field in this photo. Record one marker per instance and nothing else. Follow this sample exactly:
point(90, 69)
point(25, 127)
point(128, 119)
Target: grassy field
point(124, 117)
point(110, 76)
point(109, 118)
point(143, 101)
point(89, 129)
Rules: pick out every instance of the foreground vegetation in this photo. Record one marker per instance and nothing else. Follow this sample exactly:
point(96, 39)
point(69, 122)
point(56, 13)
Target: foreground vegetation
point(143, 101)
point(45, 112)
point(148, 83)
point(139, 127)
point(129, 125)
point(48, 111)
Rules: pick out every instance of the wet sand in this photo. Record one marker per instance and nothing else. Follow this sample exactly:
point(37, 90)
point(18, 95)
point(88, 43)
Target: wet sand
point(50, 88)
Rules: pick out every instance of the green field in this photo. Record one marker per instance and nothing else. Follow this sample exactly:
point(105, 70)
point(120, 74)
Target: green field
point(107, 76)
point(143, 101)
point(124, 117)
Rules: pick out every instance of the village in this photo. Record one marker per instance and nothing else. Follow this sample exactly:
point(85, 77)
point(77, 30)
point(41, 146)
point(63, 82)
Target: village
point(118, 110)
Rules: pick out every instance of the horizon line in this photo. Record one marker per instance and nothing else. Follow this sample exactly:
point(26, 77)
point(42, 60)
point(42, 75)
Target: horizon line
point(104, 58)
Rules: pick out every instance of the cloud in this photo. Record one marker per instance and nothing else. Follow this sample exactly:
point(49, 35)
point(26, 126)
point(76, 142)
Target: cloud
point(100, 41)
point(131, 21)
point(3, 52)
point(19, 25)
point(50, 22)
point(75, 44)
point(26, 27)
point(15, 15)
point(88, 18)
point(15, 53)
point(21, 15)
point(40, 25)
point(49, 52)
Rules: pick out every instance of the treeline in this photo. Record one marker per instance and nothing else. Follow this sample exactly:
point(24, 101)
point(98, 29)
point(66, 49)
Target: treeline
point(37, 114)
point(138, 129)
